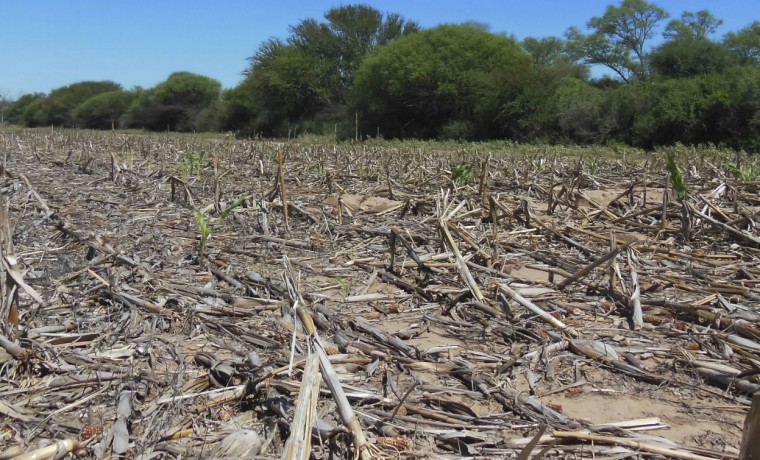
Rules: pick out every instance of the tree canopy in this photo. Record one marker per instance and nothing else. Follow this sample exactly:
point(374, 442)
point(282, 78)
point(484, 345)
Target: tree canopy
point(745, 43)
point(15, 111)
point(103, 111)
point(56, 109)
point(449, 81)
point(619, 38)
point(547, 51)
point(687, 56)
point(308, 75)
point(176, 104)
point(692, 25)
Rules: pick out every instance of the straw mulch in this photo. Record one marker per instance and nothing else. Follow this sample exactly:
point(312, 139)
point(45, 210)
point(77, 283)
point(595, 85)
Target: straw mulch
point(360, 301)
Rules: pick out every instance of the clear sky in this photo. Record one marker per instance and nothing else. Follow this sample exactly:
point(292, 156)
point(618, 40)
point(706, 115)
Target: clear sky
point(46, 44)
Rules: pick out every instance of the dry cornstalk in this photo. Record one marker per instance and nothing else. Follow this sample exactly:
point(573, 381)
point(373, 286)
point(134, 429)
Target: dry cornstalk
point(217, 187)
point(587, 269)
point(53, 451)
point(11, 265)
point(12, 348)
point(464, 272)
point(298, 445)
point(632, 443)
point(115, 169)
point(546, 317)
point(738, 234)
point(329, 375)
point(8, 287)
point(281, 181)
point(638, 316)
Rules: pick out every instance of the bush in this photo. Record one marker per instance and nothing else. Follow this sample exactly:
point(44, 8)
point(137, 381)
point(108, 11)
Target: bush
point(58, 106)
point(103, 111)
point(175, 104)
point(688, 57)
point(438, 78)
point(15, 112)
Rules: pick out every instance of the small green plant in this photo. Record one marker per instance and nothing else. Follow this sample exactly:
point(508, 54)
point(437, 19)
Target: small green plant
point(344, 285)
point(594, 166)
point(676, 178)
point(540, 165)
point(205, 231)
point(462, 173)
point(743, 173)
point(238, 201)
point(192, 164)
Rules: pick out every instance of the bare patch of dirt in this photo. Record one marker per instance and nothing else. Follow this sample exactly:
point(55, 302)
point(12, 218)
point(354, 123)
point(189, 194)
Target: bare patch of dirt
point(686, 425)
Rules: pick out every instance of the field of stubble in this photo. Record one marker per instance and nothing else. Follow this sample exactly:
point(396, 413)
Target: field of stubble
point(187, 296)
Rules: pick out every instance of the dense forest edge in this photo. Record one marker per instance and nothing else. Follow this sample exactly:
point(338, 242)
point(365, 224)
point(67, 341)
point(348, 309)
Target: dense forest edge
point(362, 74)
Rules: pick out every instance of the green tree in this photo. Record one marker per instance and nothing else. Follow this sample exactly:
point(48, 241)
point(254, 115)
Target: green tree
point(349, 33)
point(305, 79)
point(210, 118)
point(738, 121)
point(619, 38)
point(33, 114)
point(688, 50)
point(601, 111)
point(695, 26)
point(449, 81)
point(673, 115)
point(718, 108)
point(554, 53)
point(239, 109)
point(688, 56)
point(535, 105)
point(745, 43)
point(287, 86)
point(57, 107)
point(15, 112)
point(547, 50)
point(577, 106)
point(175, 104)
point(103, 111)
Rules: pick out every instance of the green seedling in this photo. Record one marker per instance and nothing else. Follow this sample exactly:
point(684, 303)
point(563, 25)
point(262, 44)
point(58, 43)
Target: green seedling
point(540, 165)
point(676, 178)
point(344, 285)
point(205, 231)
point(462, 173)
point(743, 173)
point(238, 201)
point(594, 166)
point(192, 164)
point(197, 161)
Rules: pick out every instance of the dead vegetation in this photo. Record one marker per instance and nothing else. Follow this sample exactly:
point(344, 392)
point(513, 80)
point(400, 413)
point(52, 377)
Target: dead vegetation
point(178, 296)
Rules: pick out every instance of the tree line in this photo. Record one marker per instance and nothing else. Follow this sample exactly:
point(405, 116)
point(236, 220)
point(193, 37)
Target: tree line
point(359, 72)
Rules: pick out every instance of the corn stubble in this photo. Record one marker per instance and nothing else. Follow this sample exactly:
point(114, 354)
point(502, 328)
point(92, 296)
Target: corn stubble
point(371, 300)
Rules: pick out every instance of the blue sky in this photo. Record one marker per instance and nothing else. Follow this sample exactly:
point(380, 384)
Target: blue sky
point(45, 44)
